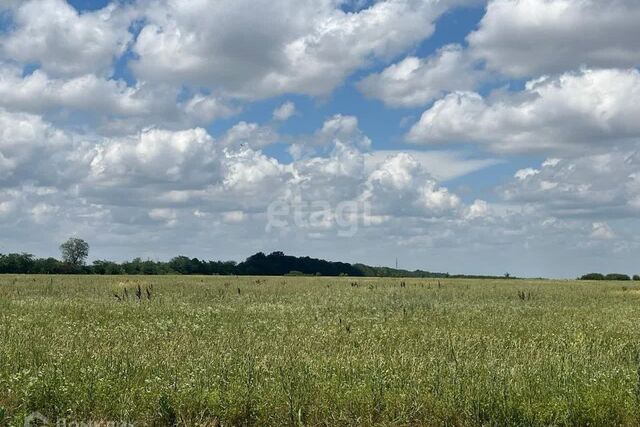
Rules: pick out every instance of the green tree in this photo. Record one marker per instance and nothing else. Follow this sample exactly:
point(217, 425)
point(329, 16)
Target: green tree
point(617, 276)
point(74, 251)
point(593, 276)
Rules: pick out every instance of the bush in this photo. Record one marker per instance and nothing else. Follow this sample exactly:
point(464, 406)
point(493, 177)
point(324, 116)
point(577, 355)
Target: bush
point(636, 277)
point(295, 273)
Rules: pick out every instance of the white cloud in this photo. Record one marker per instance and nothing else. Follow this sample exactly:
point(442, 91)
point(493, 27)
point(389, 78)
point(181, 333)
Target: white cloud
point(285, 111)
point(37, 92)
point(257, 49)
point(32, 150)
point(343, 129)
point(590, 109)
point(598, 187)
point(523, 38)
point(479, 209)
point(415, 82)
point(168, 216)
point(442, 165)
point(233, 216)
point(339, 128)
point(400, 186)
point(602, 231)
point(206, 108)
point(334, 176)
point(249, 134)
point(64, 42)
point(252, 173)
point(113, 102)
point(523, 174)
point(178, 159)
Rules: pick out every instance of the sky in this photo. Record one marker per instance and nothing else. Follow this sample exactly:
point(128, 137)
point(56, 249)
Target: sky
point(460, 136)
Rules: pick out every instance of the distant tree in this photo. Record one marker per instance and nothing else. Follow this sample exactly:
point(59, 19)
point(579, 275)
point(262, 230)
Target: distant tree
point(17, 263)
point(592, 276)
point(133, 266)
point(182, 265)
point(636, 277)
point(617, 276)
point(106, 267)
point(75, 251)
point(48, 266)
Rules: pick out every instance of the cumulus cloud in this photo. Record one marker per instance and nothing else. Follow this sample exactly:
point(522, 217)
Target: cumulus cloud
point(32, 150)
point(523, 38)
point(161, 168)
point(400, 186)
point(259, 49)
point(253, 173)
point(588, 109)
point(285, 111)
point(249, 134)
point(119, 107)
point(442, 165)
point(339, 128)
point(62, 41)
point(597, 186)
point(158, 174)
point(205, 108)
point(343, 129)
point(414, 82)
point(37, 92)
point(183, 158)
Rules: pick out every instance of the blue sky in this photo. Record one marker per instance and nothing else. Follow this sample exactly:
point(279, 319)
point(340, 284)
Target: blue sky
point(458, 135)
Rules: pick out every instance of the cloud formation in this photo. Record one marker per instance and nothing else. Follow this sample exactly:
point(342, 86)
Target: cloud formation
point(525, 38)
point(415, 82)
point(588, 109)
point(54, 35)
point(597, 186)
point(307, 47)
point(285, 111)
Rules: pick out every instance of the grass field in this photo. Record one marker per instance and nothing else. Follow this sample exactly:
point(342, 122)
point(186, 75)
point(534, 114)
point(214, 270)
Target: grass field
point(319, 351)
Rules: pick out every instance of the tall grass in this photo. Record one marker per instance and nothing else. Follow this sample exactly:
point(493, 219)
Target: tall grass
point(319, 351)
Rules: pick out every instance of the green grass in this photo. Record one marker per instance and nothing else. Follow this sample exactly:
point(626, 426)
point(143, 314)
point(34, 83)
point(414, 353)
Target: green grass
point(319, 351)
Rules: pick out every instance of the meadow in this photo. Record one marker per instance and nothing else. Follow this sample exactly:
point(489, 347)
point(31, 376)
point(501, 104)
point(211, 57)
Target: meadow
point(195, 350)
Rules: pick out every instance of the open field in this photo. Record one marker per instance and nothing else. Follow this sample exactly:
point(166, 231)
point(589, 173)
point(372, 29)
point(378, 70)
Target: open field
point(319, 351)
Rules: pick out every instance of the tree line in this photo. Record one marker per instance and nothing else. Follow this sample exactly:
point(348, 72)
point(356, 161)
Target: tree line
point(610, 276)
point(259, 264)
point(75, 251)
